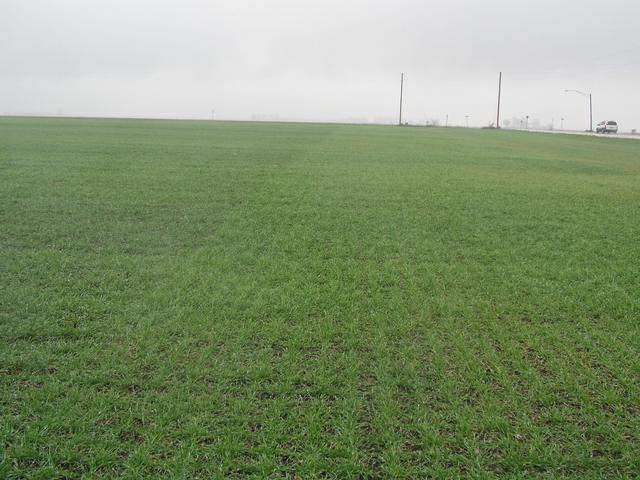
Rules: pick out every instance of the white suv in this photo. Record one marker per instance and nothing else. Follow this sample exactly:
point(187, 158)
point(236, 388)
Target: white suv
point(607, 127)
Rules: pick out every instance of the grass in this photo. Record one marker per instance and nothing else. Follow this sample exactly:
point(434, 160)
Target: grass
point(238, 300)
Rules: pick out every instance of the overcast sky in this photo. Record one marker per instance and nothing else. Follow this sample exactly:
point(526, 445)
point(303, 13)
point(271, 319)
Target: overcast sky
point(328, 60)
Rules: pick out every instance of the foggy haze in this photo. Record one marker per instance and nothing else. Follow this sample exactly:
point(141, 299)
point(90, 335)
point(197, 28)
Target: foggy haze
point(326, 60)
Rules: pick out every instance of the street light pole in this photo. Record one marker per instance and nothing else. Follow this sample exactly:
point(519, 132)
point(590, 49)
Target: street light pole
point(590, 106)
point(590, 113)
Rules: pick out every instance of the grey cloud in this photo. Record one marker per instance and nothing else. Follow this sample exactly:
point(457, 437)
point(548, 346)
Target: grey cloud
point(320, 60)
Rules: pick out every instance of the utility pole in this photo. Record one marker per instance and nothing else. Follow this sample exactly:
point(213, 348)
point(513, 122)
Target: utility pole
point(446, 122)
point(213, 114)
point(562, 123)
point(527, 117)
point(467, 119)
point(401, 88)
point(499, 95)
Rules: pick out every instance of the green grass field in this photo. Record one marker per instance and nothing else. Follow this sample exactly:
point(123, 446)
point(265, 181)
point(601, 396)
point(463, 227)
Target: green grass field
point(241, 300)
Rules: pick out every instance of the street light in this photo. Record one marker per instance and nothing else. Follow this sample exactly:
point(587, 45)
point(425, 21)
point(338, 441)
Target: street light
point(590, 106)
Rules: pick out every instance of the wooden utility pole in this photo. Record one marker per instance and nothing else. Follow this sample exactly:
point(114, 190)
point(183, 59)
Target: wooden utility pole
point(499, 95)
point(401, 87)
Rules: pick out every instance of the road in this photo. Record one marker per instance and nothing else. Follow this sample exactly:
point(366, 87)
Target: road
point(601, 135)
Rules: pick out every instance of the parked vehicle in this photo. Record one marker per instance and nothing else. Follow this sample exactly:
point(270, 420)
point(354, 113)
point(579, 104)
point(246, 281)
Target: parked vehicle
point(607, 127)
